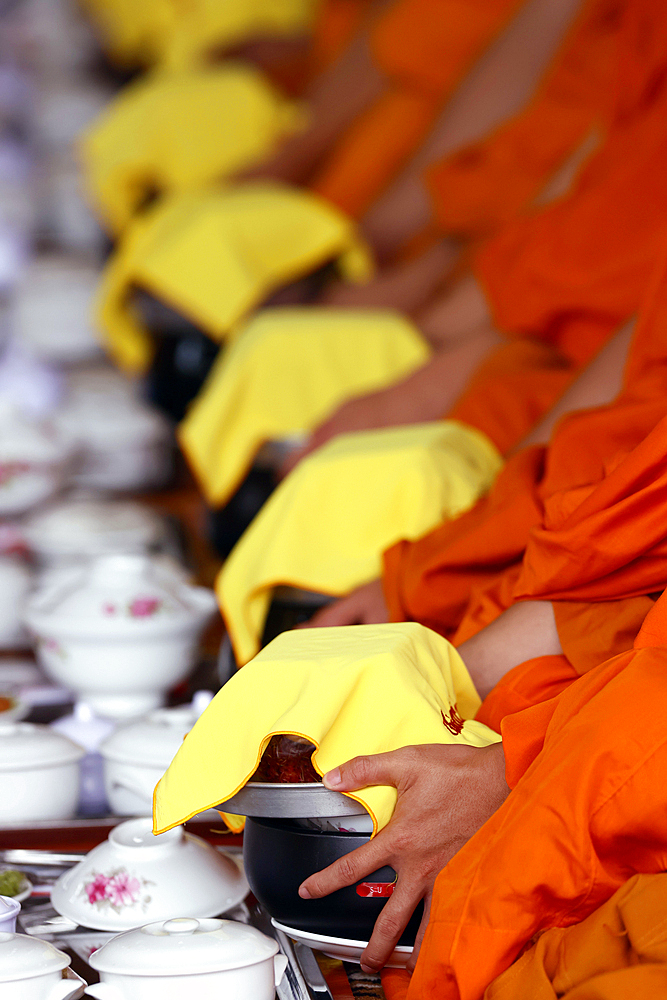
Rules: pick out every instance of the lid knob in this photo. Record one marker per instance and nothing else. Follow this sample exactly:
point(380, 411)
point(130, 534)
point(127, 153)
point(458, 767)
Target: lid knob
point(181, 925)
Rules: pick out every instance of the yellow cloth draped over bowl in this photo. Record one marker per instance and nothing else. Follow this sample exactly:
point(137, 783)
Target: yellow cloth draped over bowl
point(178, 35)
point(180, 131)
point(208, 25)
point(284, 373)
point(328, 523)
point(362, 689)
point(216, 254)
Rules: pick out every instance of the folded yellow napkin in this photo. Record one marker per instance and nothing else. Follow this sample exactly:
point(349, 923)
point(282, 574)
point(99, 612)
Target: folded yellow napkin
point(216, 254)
point(328, 523)
point(362, 689)
point(286, 371)
point(179, 131)
point(204, 26)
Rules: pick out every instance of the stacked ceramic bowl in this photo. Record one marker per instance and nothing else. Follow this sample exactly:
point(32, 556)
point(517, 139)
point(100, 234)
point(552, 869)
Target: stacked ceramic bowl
point(119, 631)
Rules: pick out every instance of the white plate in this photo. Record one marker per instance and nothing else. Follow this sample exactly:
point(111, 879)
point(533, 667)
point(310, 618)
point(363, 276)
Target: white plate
point(344, 949)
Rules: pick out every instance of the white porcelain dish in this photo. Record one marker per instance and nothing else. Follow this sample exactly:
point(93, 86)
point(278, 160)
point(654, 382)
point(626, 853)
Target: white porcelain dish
point(168, 960)
point(33, 461)
point(137, 755)
point(31, 969)
point(344, 949)
point(124, 444)
point(10, 907)
point(53, 310)
point(15, 584)
point(120, 631)
point(134, 877)
point(86, 527)
point(39, 773)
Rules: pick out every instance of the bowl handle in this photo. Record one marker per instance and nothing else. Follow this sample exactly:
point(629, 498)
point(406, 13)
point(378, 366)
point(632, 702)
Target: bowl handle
point(279, 966)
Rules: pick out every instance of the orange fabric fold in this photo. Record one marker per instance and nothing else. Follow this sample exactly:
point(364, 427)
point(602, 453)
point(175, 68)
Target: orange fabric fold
point(585, 813)
point(488, 183)
point(423, 47)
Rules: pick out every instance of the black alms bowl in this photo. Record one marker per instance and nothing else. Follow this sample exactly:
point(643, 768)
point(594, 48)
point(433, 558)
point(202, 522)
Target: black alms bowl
point(278, 855)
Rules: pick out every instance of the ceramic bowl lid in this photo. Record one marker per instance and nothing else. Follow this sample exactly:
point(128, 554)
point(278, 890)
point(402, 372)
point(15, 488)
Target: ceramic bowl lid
point(23, 957)
point(25, 440)
point(90, 418)
point(184, 946)
point(24, 745)
point(93, 526)
point(119, 594)
point(153, 740)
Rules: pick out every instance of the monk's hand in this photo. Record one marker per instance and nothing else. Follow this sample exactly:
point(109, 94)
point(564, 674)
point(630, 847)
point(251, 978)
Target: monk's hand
point(364, 606)
point(445, 794)
point(384, 408)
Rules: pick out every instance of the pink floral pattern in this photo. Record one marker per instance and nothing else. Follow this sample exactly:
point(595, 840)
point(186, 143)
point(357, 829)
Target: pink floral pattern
point(53, 646)
point(117, 890)
point(144, 607)
point(10, 470)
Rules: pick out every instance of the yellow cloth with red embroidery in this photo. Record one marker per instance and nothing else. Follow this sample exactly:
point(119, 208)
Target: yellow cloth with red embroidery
point(327, 524)
point(287, 370)
point(181, 131)
point(362, 689)
point(216, 254)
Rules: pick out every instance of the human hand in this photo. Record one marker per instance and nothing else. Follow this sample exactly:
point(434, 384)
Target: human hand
point(445, 794)
point(384, 408)
point(364, 606)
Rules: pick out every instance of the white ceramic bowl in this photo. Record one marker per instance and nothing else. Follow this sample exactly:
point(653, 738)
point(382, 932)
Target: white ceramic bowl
point(15, 584)
point(120, 631)
point(33, 461)
point(124, 444)
point(53, 310)
point(137, 755)
point(9, 911)
point(39, 773)
point(134, 877)
point(31, 969)
point(172, 959)
point(85, 527)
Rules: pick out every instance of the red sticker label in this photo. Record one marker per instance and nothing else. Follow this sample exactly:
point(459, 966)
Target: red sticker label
point(379, 889)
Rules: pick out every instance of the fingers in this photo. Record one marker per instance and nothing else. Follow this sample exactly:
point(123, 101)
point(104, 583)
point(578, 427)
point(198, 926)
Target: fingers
point(380, 769)
point(390, 924)
point(347, 870)
point(412, 961)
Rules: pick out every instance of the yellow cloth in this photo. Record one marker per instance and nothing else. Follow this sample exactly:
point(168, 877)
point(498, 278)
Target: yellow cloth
point(179, 131)
point(207, 25)
point(180, 35)
point(285, 372)
point(362, 689)
point(328, 523)
point(214, 255)
point(131, 31)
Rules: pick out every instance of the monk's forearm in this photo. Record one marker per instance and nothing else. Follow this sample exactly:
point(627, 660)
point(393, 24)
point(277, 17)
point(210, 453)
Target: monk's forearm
point(456, 315)
point(597, 385)
point(430, 392)
point(402, 213)
point(523, 632)
point(406, 286)
point(335, 100)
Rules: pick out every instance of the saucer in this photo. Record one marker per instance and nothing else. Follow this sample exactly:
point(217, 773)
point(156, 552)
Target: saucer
point(344, 949)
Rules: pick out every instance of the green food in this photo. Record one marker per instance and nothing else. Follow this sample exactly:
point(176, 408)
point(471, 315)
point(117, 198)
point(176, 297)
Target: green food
point(11, 882)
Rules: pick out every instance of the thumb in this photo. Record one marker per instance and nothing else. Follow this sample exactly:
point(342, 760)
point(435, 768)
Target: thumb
point(360, 772)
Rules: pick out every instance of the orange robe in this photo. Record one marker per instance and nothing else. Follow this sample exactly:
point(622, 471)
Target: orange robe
point(587, 811)
point(490, 182)
point(423, 47)
point(464, 574)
